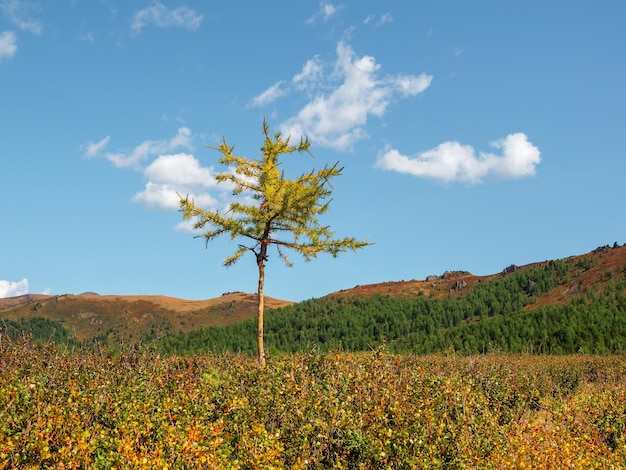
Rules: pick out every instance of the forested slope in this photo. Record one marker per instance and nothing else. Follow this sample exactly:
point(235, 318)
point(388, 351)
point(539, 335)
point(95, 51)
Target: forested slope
point(507, 313)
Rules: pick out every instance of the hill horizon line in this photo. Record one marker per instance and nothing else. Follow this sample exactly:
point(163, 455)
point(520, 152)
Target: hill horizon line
point(168, 301)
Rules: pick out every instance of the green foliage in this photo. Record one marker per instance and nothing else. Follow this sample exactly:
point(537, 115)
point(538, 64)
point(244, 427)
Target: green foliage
point(39, 329)
point(91, 409)
point(587, 262)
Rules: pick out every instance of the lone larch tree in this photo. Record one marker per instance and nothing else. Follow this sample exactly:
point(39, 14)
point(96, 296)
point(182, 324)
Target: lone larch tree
point(271, 210)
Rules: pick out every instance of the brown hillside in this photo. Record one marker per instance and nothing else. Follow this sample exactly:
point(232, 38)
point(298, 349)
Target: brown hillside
point(593, 271)
point(130, 318)
point(590, 271)
point(21, 299)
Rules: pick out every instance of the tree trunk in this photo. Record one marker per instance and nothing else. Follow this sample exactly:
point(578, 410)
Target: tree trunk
point(261, 307)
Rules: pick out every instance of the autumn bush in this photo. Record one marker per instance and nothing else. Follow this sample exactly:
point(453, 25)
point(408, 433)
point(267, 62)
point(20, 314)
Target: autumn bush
point(63, 408)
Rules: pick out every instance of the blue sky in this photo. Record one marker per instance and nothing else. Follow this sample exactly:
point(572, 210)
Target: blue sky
point(474, 135)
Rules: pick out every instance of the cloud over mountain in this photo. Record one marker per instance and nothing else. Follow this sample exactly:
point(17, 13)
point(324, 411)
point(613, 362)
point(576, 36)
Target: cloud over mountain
point(13, 289)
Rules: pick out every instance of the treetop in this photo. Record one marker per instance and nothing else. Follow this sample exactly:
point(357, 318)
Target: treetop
point(272, 209)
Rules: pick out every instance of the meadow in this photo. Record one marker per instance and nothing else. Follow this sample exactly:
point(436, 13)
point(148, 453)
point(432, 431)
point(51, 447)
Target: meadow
point(62, 408)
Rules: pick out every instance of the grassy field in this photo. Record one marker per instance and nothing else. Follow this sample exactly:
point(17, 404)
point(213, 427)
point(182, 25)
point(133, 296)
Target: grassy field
point(85, 409)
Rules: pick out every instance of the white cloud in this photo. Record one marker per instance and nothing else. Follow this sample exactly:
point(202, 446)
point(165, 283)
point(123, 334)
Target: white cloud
point(311, 73)
point(181, 169)
point(411, 85)
point(93, 149)
point(451, 161)
point(269, 95)
point(326, 11)
point(161, 16)
point(308, 80)
point(158, 196)
point(16, 12)
point(179, 173)
point(142, 152)
point(13, 289)
point(8, 46)
point(384, 19)
point(336, 118)
point(167, 174)
point(170, 174)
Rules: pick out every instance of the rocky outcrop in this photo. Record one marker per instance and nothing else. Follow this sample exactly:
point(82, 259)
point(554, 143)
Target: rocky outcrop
point(447, 275)
point(458, 285)
point(453, 274)
point(509, 269)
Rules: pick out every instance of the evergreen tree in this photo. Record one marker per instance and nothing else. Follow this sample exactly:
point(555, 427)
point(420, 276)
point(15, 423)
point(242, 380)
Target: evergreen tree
point(283, 212)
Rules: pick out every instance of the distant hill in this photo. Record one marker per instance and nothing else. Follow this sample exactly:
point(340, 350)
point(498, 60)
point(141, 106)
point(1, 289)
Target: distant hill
point(572, 304)
point(112, 318)
point(593, 273)
point(20, 300)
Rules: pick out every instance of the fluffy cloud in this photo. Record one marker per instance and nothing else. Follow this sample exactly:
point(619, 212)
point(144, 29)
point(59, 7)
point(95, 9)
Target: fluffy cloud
point(13, 289)
point(171, 173)
point(8, 46)
point(17, 12)
point(179, 173)
point(336, 118)
point(451, 161)
point(142, 152)
point(163, 17)
point(342, 99)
